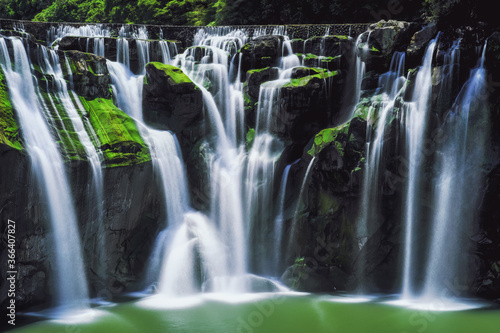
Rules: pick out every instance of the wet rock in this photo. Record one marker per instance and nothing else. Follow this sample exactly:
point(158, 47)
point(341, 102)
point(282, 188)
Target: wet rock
point(305, 275)
point(420, 40)
point(383, 39)
point(251, 90)
point(492, 57)
point(261, 52)
point(305, 105)
point(329, 45)
point(170, 99)
point(90, 75)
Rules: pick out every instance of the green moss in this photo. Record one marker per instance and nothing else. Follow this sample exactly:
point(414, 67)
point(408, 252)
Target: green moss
point(119, 138)
point(343, 37)
point(327, 203)
point(257, 70)
point(310, 56)
point(9, 131)
point(175, 74)
point(245, 48)
point(62, 127)
point(250, 137)
point(303, 81)
point(327, 136)
point(247, 99)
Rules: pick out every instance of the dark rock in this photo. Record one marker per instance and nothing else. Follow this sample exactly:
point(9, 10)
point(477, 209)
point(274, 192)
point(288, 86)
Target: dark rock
point(305, 275)
point(329, 46)
point(419, 43)
point(170, 99)
point(90, 75)
point(492, 57)
point(251, 90)
point(261, 52)
point(305, 106)
point(384, 38)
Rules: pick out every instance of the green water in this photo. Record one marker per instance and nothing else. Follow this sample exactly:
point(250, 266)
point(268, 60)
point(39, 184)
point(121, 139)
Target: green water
point(270, 313)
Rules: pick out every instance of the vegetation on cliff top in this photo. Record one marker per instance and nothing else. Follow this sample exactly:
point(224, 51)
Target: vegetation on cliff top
point(238, 12)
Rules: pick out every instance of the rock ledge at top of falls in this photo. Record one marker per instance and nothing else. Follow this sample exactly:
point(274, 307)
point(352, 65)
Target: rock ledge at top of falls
point(170, 99)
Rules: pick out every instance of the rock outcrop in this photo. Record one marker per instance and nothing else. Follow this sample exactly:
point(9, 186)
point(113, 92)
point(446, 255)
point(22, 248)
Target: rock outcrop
point(171, 100)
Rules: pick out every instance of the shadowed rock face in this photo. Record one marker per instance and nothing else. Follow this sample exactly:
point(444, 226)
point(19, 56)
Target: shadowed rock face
point(171, 100)
point(90, 75)
point(261, 52)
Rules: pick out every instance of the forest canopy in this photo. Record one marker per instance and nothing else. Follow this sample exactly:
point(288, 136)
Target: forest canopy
point(243, 12)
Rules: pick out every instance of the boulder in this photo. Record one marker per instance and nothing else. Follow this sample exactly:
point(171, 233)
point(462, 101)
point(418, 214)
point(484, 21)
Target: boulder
point(419, 42)
point(255, 78)
point(382, 40)
point(170, 99)
point(90, 74)
point(261, 52)
point(328, 45)
point(305, 106)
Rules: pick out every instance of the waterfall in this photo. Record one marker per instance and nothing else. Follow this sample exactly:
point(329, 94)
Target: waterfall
point(415, 122)
point(246, 224)
point(49, 171)
point(391, 86)
point(458, 170)
point(278, 222)
point(293, 231)
point(169, 168)
point(51, 66)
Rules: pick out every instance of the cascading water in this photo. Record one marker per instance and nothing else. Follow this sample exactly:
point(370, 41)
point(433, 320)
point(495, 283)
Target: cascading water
point(458, 170)
point(415, 125)
point(293, 231)
point(51, 66)
point(48, 167)
point(391, 87)
point(214, 250)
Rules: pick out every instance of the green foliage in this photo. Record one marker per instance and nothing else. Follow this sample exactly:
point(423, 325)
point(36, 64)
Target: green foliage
point(62, 128)
point(303, 81)
point(119, 138)
point(73, 11)
point(22, 9)
point(250, 137)
point(327, 136)
point(460, 11)
point(240, 12)
point(9, 131)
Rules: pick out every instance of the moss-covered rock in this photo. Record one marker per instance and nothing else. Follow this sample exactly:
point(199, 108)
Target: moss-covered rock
point(261, 52)
point(251, 88)
point(119, 138)
point(170, 99)
point(327, 136)
point(329, 45)
point(305, 106)
point(384, 38)
point(310, 80)
point(90, 74)
point(9, 130)
point(62, 129)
